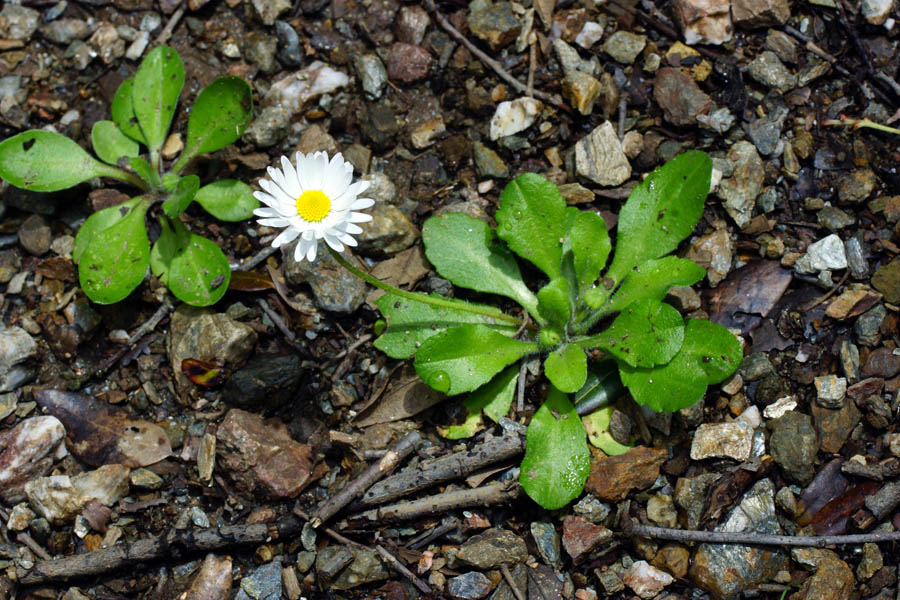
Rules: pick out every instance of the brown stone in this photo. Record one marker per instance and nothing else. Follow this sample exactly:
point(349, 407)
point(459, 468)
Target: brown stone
point(674, 559)
point(833, 580)
point(750, 14)
point(881, 363)
point(834, 426)
point(580, 536)
point(613, 477)
point(408, 63)
point(260, 456)
point(680, 98)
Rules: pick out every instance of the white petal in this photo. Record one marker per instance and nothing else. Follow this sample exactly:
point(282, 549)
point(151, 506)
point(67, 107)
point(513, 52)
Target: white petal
point(266, 212)
point(274, 222)
point(359, 218)
point(347, 239)
point(290, 178)
point(336, 180)
point(267, 199)
point(278, 177)
point(285, 237)
point(317, 167)
point(300, 251)
point(362, 203)
point(311, 252)
point(352, 229)
point(309, 235)
point(364, 185)
point(284, 201)
point(334, 243)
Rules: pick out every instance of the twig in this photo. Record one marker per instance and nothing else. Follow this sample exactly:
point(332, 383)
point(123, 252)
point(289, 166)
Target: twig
point(493, 64)
point(426, 538)
point(166, 33)
point(860, 123)
point(276, 318)
point(520, 391)
point(348, 355)
point(445, 468)
point(532, 65)
point(355, 488)
point(340, 539)
point(511, 583)
point(257, 258)
point(35, 547)
point(401, 568)
point(827, 295)
point(763, 539)
point(494, 493)
point(171, 545)
point(150, 324)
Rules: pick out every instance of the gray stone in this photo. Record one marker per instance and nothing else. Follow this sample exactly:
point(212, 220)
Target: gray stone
point(270, 10)
point(59, 498)
point(288, 44)
point(783, 45)
point(520, 578)
point(679, 96)
point(624, 46)
point(599, 157)
point(765, 132)
point(469, 586)
point(793, 445)
point(571, 61)
point(363, 566)
point(728, 440)
point(830, 391)
point(826, 254)
point(719, 120)
point(389, 231)
point(849, 356)
point(305, 560)
point(728, 569)
point(488, 163)
point(591, 509)
point(372, 75)
point(269, 127)
point(65, 31)
point(412, 22)
point(887, 281)
point(768, 70)
point(833, 218)
point(16, 348)
point(755, 366)
point(260, 48)
point(335, 289)
point(263, 583)
point(739, 191)
point(18, 22)
point(855, 186)
point(868, 324)
point(202, 334)
point(35, 235)
point(856, 258)
point(547, 541)
point(494, 23)
point(771, 388)
point(690, 496)
point(493, 548)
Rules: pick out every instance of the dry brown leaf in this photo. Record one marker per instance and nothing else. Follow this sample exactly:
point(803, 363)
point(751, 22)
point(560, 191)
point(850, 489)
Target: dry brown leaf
point(407, 395)
point(98, 436)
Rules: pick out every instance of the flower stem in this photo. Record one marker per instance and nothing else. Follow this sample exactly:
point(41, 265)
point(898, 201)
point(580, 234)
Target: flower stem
point(424, 298)
point(122, 175)
point(859, 123)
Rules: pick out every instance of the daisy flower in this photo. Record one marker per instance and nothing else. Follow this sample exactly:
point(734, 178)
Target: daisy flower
point(314, 201)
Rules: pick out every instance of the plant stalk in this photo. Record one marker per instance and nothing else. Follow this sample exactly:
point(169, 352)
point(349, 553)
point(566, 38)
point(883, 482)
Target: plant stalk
point(154, 162)
point(859, 123)
point(423, 298)
point(122, 175)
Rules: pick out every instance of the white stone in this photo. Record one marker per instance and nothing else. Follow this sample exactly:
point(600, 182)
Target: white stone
point(704, 21)
point(826, 254)
point(59, 498)
point(599, 156)
point(751, 416)
point(589, 35)
point(137, 47)
point(294, 90)
point(20, 517)
point(646, 580)
point(830, 390)
point(876, 11)
point(514, 116)
point(780, 407)
point(722, 440)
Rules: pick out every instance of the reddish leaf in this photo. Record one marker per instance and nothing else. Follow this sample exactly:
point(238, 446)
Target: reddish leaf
point(250, 281)
point(205, 374)
point(99, 436)
point(832, 518)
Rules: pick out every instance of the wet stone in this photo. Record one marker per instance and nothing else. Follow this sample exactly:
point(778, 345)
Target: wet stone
point(547, 541)
point(591, 509)
point(265, 382)
point(887, 281)
point(679, 96)
point(793, 445)
point(493, 548)
point(728, 440)
point(412, 22)
point(389, 231)
point(269, 127)
point(768, 70)
point(495, 23)
point(288, 44)
point(835, 425)
point(599, 157)
point(335, 289)
point(469, 586)
point(35, 235)
point(16, 348)
point(581, 537)
point(739, 191)
point(882, 362)
point(855, 186)
point(826, 254)
point(408, 63)
point(613, 477)
point(646, 580)
point(18, 22)
point(488, 163)
point(263, 583)
point(834, 219)
point(624, 46)
point(728, 569)
point(868, 324)
point(830, 391)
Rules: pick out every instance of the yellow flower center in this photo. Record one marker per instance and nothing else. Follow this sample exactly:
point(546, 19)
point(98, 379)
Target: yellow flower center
point(313, 205)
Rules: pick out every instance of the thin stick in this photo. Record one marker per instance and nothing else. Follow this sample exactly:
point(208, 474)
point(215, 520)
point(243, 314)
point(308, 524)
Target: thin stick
point(511, 583)
point(401, 568)
point(150, 324)
point(762, 539)
point(357, 487)
point(257, 258)
point(445, 468)
point(276, 318)
point(532, 65)
point(340, 539)
point(827, 295)
point(520, 391)
point(495, 493)
point(35, 547)
point(166, 33)
point(493, 64)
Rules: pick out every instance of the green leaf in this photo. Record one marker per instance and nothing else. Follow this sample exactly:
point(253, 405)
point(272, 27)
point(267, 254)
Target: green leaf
point(43, 161)
point(123, 112)
point(219, 116)
point(110, 143)
point(557, 460)
point(661, 211)
point(463, 250)
point(193, 267)
point(115, 260)
point(555, 301)
point(645, 334)
point(492, 399)
point(143, 169)
point(227, 200)
point(410, 323)
point(154, 95)
point(566, 368)
point(588, 240)
point(709, 354)
point(597, 426)
point(466, 357)
point(653, 278)
point(601, 388)
point(182, 196)
point(95, 224)
point(531, 220)
point(169, 181)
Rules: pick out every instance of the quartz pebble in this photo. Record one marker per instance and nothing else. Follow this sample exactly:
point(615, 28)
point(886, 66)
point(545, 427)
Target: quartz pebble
point(830, 391)
point(727, 440)
point(826, 254)
point(514, 116)
point(599, 157)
